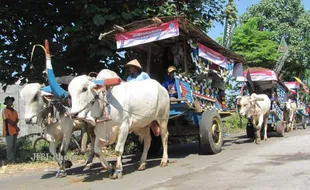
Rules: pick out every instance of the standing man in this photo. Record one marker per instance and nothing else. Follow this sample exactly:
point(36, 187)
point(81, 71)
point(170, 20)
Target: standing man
point(169, 83)
point(10, 128)
point(136, 73)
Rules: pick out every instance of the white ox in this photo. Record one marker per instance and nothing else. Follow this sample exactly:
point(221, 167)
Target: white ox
point(291, 107)
point(59, 132)
point(134, 107)
point(256, 107)
point(56, 132)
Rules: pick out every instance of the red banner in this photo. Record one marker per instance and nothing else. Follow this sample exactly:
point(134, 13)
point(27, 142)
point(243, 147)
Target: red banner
point(212, 56)
point(147, 35)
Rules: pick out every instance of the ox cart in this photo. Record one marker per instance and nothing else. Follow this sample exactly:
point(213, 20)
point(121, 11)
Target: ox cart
point(264, 81)
point(301, 113)
point(203, 67)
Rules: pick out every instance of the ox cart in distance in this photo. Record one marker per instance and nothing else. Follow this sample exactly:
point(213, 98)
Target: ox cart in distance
point(264, 81)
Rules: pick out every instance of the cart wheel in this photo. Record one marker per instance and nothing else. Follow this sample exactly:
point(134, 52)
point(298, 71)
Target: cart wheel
point(250, 130)
point(41, 145)
point(280, 128)
point(74, 145)
point(211, 132)
point(303, 122)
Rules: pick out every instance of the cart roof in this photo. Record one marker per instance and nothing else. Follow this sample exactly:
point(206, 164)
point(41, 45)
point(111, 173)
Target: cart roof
point(259, 74)
point(292, 85)
point(186, 29)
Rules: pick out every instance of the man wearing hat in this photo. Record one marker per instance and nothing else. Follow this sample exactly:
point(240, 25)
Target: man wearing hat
point(136, 73)
point(169, 82)
point(10, 128)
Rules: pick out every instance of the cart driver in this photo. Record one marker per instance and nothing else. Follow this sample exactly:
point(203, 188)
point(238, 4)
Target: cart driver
point(169, 83)
point(136, 73)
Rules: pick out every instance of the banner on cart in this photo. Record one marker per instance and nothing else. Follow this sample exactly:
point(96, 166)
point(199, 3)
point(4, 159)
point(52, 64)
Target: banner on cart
point(212, 56)
point(291, 85)
point(147, 35)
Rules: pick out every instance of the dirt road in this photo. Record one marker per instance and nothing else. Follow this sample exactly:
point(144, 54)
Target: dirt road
point(279, 163)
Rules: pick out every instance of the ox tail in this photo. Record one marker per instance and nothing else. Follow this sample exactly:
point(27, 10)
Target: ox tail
point(56, 89)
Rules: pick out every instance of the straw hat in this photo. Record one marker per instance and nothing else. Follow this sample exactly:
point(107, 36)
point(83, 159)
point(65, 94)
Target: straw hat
point(135, 63)
point(7, 99)
point(171, 68)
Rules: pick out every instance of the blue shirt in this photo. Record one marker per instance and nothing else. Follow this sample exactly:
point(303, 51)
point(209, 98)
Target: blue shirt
point(141, 76)
point(169, 84)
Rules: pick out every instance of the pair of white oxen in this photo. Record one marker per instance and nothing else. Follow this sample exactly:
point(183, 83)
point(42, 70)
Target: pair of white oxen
point(133, 107)
point(257, 107)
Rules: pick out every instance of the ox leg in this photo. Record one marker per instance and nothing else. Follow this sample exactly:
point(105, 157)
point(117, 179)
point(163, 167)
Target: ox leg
point(61, 171)
point(258, 128)
point(98, 151)
point(89, 162)
point(265, 127)
point(147, 143)
point(119, 148)
point(52, 148)
point(164, 137)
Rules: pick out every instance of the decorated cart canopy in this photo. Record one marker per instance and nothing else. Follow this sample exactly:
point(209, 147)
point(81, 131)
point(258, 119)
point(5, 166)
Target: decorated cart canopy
point(258, 74)
point(203, 65)
point(259, 79)
point(292, 85)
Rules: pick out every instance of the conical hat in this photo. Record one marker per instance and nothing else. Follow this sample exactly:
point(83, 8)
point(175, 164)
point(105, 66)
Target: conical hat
point(135, 63)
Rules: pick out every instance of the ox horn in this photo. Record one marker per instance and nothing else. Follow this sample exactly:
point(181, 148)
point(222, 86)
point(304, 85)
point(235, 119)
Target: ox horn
point(56, 89)
point(256, 99)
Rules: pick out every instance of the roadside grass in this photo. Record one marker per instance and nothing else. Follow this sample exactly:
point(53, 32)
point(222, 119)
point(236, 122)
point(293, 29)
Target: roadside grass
point(233, 125)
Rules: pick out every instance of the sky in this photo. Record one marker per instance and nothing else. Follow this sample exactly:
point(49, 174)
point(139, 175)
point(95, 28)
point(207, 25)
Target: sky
point(242, 6)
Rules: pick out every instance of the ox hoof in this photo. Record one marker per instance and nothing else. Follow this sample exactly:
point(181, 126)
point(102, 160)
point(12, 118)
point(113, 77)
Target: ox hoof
point(87, 167)
point(142, 167)
point(61, 173)
point(118, 174)
point(257, 141)
point(265, 139)
point(163, 164)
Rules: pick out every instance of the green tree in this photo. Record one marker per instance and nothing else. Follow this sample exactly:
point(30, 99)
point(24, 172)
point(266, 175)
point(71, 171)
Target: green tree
point(73, 28)
point(286, 18)
point(256, 46)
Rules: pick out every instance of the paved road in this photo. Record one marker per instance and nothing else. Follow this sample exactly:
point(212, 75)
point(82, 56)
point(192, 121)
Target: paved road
point(279, 163)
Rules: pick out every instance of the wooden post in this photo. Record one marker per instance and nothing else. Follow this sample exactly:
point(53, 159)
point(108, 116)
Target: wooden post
point(149, 56)
point(185, 55)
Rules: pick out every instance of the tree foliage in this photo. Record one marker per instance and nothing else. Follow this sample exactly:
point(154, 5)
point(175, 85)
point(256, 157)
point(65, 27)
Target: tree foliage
point(286, 18)
point(73, 28)
point(256, 46)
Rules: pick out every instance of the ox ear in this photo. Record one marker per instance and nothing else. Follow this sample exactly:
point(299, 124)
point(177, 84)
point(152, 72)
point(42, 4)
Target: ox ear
point(98, 86)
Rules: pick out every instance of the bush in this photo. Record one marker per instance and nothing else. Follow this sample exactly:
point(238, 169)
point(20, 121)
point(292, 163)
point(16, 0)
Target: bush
point(233, 122)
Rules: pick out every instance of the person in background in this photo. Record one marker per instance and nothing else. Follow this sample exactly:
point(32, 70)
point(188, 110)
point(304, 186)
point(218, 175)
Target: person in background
point(10, 127)
point(169, 82)
point(136, 73)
